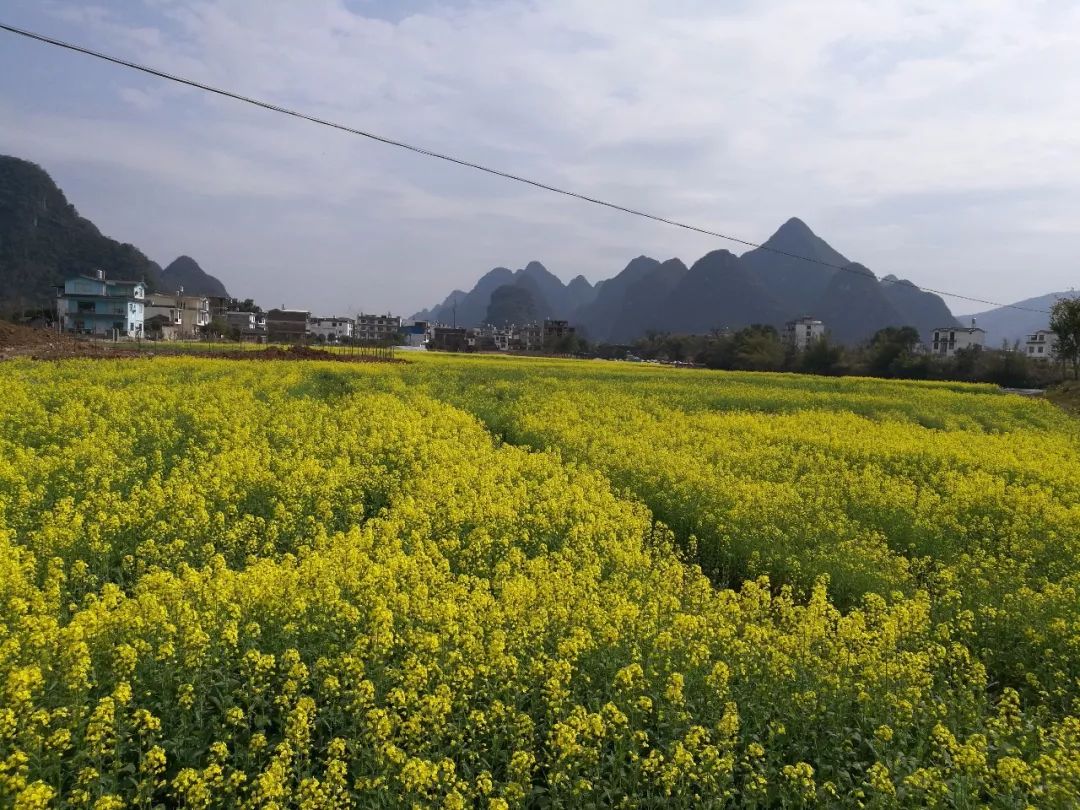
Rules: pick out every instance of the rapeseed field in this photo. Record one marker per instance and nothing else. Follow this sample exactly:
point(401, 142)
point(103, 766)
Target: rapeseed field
point(494, 583)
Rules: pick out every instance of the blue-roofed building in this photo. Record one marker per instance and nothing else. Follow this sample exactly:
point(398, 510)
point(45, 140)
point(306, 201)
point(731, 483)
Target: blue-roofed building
point(95, 305)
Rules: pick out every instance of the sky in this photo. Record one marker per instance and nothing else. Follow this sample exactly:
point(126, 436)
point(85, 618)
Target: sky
point(936, 141)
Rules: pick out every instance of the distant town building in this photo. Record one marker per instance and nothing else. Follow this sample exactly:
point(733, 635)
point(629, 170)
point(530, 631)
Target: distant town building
point(530, 337)
point(416, 333)
point(555, 331)
point(161, 327)
point(381, 328)
point(95, 305)
point(449, 339)
point(801, 332)
point(1041, 345)
point(242, 321)
point(287, 325)
point(948, 340)
point(505, 339)
point(331, 330)
point(218, 305)
point(184, 316)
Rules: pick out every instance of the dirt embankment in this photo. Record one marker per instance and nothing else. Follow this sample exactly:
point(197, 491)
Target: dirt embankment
point(304, 353)
point(1066, 395)
point(45, 344)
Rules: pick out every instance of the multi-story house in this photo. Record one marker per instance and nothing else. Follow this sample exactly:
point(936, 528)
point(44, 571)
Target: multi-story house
point(449, 339)
point(331, 330)
point(531, 337)
point(287, 325)
point(555, 331)
point(378, 328)
point(801, 332)
point(185, 315)
point(242, 321)
point(95, 305)
point(948, 340)
point(417, 333)
point(1041, 345)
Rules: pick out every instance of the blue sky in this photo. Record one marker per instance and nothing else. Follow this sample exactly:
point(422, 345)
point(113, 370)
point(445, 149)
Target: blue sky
point(938, 142)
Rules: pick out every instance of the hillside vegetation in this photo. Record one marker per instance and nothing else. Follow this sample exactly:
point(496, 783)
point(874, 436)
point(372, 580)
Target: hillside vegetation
point(44, 241)
point(477, 582)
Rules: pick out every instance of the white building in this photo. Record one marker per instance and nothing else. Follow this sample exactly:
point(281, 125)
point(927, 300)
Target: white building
point(1041, 345)
point(948, 340)
point(186, 315)
point(416, 334)
point(331, 330)
point(801, 332)
point(377, 327)
point(94, 305)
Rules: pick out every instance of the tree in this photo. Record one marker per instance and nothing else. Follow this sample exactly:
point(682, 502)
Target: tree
point(758, 348)
point(890, 350)
point(247, 305)
point(821, 357)
point(1065, 324)
point(217, 327)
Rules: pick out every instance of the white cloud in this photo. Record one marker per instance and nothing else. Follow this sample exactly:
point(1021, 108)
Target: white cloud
point(857, 116)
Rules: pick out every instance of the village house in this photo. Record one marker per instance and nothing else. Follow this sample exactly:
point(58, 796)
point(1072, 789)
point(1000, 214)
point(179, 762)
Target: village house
point(287, 325)
point(416, 334)
point(801, 332)
point(449, 339)
point(94, 305)
point(1041, 345)
point(242, 321)
point(377, 328)
point(176, 315)
point(948, 340)
point(555, 330)
point(331, 330)
point(531, 337)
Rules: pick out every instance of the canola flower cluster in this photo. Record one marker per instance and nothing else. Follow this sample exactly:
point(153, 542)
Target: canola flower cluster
point(497, 583)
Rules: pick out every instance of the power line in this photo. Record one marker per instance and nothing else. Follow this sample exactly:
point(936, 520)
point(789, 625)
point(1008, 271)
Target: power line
point(479, 167)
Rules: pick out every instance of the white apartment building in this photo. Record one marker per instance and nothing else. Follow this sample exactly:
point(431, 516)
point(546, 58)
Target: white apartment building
point(332, 330)
point(948, 340)
point(1041, 345)
point(801, 332)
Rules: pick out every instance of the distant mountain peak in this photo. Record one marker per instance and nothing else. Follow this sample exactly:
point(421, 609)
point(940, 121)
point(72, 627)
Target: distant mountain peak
point(185, 272)
point(719, 256)
point(794, 227)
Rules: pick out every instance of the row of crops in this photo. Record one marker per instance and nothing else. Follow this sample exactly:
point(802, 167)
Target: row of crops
point(502, 583)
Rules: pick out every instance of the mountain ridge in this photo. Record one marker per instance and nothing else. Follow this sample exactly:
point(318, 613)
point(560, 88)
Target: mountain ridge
point(1007, 324)
point(793, 273)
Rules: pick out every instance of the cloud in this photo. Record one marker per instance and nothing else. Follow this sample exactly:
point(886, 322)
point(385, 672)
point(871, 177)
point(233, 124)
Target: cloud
point(858, 117)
